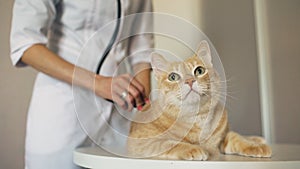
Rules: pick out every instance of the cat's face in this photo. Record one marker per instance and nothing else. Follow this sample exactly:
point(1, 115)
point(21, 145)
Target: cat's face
point(187, 82)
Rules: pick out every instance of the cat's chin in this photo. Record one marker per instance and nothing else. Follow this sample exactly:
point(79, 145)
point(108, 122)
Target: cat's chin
point(191, 98)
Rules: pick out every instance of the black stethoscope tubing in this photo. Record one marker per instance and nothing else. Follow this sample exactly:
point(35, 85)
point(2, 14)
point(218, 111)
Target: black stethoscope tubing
point(113, 38)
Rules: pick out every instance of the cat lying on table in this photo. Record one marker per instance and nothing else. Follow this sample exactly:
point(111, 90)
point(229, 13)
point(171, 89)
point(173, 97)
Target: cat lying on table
point(189, 105)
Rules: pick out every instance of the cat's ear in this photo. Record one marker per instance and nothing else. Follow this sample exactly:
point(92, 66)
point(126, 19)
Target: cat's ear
point(204, 53)
point(159, 64)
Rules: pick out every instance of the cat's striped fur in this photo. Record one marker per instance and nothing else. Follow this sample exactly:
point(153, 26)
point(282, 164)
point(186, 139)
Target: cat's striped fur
point(170, 127)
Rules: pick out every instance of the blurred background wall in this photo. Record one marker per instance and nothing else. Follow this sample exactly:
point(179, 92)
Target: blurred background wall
point(230, 25)
point(15, 92)
point(283, 38)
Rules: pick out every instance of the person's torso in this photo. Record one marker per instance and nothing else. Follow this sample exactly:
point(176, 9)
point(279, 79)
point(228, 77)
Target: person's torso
point(77, 21)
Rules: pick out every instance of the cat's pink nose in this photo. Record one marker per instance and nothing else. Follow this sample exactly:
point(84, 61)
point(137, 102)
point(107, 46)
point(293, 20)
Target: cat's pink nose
point(190, 82)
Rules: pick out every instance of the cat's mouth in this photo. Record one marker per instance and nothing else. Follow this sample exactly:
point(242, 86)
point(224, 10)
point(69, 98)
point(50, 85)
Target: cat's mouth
point(191, 91)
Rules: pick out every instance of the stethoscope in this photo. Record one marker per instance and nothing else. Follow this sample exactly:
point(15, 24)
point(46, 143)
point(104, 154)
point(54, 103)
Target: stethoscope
point(113, 38)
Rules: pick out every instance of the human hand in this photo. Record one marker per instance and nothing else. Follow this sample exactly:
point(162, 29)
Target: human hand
point(124, 90)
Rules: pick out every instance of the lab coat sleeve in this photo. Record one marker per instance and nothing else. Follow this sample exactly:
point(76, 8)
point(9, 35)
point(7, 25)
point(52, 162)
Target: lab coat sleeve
point(30, 23)
point(143, 41)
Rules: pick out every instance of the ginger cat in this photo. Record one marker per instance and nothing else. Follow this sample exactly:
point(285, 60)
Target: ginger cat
point(187, 121)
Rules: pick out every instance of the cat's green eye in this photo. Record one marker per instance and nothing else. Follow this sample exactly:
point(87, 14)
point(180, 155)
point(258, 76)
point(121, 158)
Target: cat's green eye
point(173, 76)
point(199, 71)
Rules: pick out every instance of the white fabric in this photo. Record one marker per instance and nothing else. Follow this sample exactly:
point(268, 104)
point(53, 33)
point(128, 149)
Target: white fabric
point(53, 131)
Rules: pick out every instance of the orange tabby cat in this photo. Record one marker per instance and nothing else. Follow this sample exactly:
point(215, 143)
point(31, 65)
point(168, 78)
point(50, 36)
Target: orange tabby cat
point(188, 121)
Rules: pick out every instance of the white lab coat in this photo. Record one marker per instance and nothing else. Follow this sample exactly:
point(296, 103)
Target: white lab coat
point(53, 131)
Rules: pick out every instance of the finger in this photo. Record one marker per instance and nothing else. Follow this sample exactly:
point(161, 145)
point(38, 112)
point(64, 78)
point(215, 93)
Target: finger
point(139, 86)
point(120, 102)
point(137, 90)
point(136, 95)
point(131, 100)
point(134, 88)
point(117, 91)
point(125, 103)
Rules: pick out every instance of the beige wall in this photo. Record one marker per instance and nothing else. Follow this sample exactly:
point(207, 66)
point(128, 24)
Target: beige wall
point(230, 26)
point(15, 91)
point(284, 46)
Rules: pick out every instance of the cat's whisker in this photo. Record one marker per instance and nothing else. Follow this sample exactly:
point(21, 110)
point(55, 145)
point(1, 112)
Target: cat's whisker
point(217, 81)
point(226, 95)
point(231, 96)
point(219, 94)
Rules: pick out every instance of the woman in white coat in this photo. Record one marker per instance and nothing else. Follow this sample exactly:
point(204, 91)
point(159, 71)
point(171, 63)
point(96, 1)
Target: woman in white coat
point(48, 35)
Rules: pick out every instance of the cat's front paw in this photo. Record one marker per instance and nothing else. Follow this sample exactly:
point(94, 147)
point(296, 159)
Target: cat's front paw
point(191, 152)
point(245, 146)
point(194, 153)
point(185, 152)
point(260, 150)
